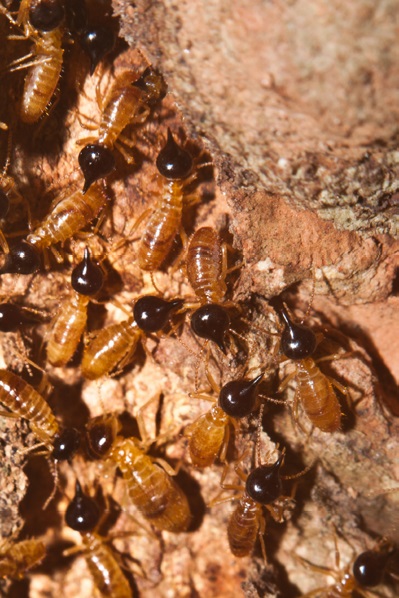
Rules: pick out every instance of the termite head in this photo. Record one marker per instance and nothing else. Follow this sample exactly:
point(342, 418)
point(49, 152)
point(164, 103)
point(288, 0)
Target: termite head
point(96, 162)
point(97, 42)
point(4, 204)
point(368, 568)
point(211, 321)
point(87, 277)
point(151, 313)
point(238, 397)
point(76, 16)
point(22, 259)
point(83, 513)
point(174, 162)
point(101, 434)
point(153, 85)
point(66, 444)
point(264, 484)
point(46, 15)
point(297, 341)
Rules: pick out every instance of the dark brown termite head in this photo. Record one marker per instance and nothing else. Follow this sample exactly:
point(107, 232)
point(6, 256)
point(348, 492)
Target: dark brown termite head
point(238, 397)
point(83, 513)
point(96, 162)
point(87, 277)
point(97, 42)
point(46, 15)
point(76, 16)
point(100, 436)
point(174, 162)
point(152, 313)
point(11, 317)
point(211, 322)
point(297, 341)
point(264, 484)
point(22, 259)
point(65, 444)
point(368, 568)
point(4, 204)
point(153, 86)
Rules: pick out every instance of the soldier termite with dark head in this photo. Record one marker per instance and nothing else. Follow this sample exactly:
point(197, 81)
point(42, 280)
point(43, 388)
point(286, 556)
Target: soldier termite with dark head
point(129, 102)
point(17, 558)
point(83, 515)
point(314, 390)
point(42, 24)
point(113, 347)
point(23, 401)
point(151, 488)
point(69, 324)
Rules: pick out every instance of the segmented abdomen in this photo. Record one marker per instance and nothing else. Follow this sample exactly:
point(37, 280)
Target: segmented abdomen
point(120, 111)
point(317, 397)
point(16, 559)
point(67, 329)
point(206, 436)
point(243, 527)
point(69, 216)
point(150, 488)
point(162, 228)
point(108, 348)
point(106, 572)
point(42, 79)
point(23, 400)
point(204, 265)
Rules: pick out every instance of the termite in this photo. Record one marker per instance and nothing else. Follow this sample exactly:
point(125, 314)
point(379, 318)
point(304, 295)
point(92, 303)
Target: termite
point(210, 433)
point(314, 390)
point(367, 571)
point(69, 324)
point(129, 101)
point(113, 347)
point(70, 214)
point(22, 258)
point(17, 558)
point(23, 401)
point(151, 488)
point(42, 23)
point(83, 515)
point(206, 264)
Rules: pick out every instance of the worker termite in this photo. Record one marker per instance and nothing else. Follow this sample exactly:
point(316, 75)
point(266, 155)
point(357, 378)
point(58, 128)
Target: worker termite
point(113, 347)
point(42, 23)
point(209, 434)
point(17, 558)
point(70, 214)
point(151, 488)
point(207, 269)
point(367, 572)
point(263, 488)
point(314, 390)
point(129, 101)
point(83, 515)
point(23, 401)
point(68, 325)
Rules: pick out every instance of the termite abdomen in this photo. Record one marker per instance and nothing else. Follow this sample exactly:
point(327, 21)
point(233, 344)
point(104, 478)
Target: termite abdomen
point(87, 277)
point(97, 43)
point(174, 162)
point(96, 162)
point(151, 313)
point(211, 322)
point(22, 259)
point(263, 484)
point(83, 513)
point(46, 16)
point(238, 397)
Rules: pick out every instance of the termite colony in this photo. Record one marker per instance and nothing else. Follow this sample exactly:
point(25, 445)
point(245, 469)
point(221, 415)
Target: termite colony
point(119, 297)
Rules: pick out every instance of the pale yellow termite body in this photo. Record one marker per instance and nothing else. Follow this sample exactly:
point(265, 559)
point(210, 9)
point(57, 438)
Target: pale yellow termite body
point(17, 558)
point(66, 329)
point(70, 215)
point(109, 348)
point(207, 435)
point(244, 525)
point(206, 265)
point(107, 574)
point(150, 488)
point(24, 401)
point(317, 396)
